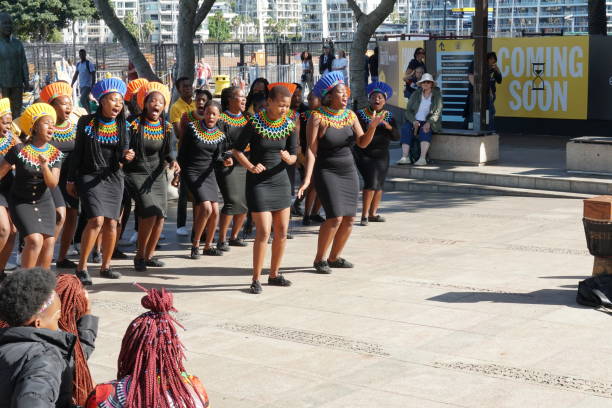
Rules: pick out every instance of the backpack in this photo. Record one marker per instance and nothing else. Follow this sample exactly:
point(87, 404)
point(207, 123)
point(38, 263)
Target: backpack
point(596, 292)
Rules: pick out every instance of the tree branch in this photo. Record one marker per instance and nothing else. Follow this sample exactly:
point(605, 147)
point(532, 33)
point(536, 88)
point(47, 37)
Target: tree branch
point(202, 12)
point(356, 9)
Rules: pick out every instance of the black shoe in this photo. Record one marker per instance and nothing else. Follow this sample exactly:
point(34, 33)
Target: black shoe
point(296, 210)
point(155, 263)
point(117, 254)
point(256, 288)
point(377, 218)
point(109, 274)
point(278, 280)
point(2, 275)
point(223, 246)
point(140, 265)
point(364, 222)
point(84, 277)
point(306, 220)
point(195, 253)
point(340, 263)
point(212, 251)
point(238, 242)
point(322, 267)
point(65, 264)
point(96, 257)
point(290, 236)
point(317, 218)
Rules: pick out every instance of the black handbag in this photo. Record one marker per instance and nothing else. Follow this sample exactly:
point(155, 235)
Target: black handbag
point(596, 292)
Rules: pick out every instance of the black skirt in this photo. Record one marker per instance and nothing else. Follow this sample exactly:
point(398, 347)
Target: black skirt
point(202, 186)
point(232, 183)
point(372, 168)
point(33, 217)
point(337, 184)
point(101, 194)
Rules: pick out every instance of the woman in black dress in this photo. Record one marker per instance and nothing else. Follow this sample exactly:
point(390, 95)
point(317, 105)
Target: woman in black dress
point(59, 95)
point(7, 229)
point(37, 169)
point(373, 161)
point(272, 139)
point(101, 148)
point(232, 179)
point(331, 131)
point(152, 140)
point(202, 147)
point(258, 87)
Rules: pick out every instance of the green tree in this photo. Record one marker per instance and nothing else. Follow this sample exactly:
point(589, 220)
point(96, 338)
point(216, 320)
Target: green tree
point(35, 19)
point(130, 24)
point(218, 28)
point(147, 30)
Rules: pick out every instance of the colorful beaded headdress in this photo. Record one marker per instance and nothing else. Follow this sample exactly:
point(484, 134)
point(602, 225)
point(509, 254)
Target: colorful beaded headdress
point(151, 87)
point(381, 87)
point(290, 87)
point(55, 90)
point(5, 106)
point(328, 82)
point(107, 86)
point(133, 87)
point(34, 112)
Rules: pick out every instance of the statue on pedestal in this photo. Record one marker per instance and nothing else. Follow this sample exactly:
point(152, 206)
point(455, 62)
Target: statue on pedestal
point(14, 75)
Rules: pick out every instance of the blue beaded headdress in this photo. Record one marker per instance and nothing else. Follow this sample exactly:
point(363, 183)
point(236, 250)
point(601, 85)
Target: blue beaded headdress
point(108, 85)
point(381, 87)
point(328, 82)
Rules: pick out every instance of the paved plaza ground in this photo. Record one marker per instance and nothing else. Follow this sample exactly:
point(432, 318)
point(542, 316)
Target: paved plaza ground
point(456, 301)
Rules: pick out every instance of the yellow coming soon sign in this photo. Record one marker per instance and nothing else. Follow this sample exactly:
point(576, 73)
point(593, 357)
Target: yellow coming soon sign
point(543, 77)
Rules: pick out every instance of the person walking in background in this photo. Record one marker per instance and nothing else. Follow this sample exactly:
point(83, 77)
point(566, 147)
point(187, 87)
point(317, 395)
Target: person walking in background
point(326, 60)
point(307, 70)
point(199, 75)
point(373, 65)
point(341, 64)
point(86, 73)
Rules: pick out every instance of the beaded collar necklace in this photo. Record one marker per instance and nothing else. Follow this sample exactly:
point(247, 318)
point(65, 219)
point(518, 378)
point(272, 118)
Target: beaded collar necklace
point(293, 115)
point(65, 132)
point(368, 114)
point(272, 129)
point(151, 130)
point(107, 132)
point(336, 119)
point(6, 143)
point(29, 155)
point(231, 119)
point(205, 135)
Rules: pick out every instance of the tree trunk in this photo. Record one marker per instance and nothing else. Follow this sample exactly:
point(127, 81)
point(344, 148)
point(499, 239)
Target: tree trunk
point(597, 17)
point(190, 19)
point(366, 27)
point(127, 40)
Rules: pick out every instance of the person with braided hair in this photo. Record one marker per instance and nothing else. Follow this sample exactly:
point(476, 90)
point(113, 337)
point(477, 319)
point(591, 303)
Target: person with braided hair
point(76, 319)
point(152, 140)
point(101, 148)
point(151, 370)
point(35, 356)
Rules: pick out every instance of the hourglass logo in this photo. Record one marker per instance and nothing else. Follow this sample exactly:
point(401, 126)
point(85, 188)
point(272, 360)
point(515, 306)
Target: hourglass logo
point(537, 84)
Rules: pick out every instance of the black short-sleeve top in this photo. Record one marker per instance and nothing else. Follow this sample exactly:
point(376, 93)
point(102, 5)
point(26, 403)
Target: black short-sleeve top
point(29, 182)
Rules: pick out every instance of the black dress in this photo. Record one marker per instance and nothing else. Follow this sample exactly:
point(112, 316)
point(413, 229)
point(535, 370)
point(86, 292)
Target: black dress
point(335, 175)
point(63, 139)
point(30, 202)
point(232, 180)
point(373, 161)
point(145, 176)
point(99, 182)
point(6, 143)
point(271, 189)
point(200, 152)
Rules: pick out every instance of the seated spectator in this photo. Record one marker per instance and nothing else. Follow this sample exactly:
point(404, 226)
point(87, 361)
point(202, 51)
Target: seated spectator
point(423, 117)
point(151, 372)
point(417, 62)
point(35, 356)
point(411, 83)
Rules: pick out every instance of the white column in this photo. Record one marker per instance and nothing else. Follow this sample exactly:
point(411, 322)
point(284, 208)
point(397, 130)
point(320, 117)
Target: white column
point(324, 22)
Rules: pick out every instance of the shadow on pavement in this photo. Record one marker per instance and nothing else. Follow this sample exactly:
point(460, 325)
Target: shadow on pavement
point(558, 297)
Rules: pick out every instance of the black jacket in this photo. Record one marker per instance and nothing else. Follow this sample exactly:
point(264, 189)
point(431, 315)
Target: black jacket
point(36, 365)
point(326, 64)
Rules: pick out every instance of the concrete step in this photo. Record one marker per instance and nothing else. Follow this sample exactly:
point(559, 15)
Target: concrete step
point(486, 176)
point(434, 186)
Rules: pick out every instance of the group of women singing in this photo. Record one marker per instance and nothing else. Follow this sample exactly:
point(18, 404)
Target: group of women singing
point(245, 148)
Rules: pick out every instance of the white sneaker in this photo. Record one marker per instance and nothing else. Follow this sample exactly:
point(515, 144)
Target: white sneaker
point(134, 238)
point(403, 160)
point(421, 162)
point(10, 267)
point(72, 250)
point(182, 231)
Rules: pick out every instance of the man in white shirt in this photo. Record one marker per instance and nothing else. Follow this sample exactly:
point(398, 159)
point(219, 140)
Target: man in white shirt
point(86, 73)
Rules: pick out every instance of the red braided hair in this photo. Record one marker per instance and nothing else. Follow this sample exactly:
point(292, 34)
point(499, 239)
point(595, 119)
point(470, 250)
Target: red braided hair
point(152, 354)
point(74, 306)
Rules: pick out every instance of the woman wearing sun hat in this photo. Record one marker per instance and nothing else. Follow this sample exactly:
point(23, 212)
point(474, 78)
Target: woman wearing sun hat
point(100, 150)
point(373, 161)
point(59, 95)
point(7, 141)
point(331, 131)
point(152, 140)
point(423, 117)
point(37, 169)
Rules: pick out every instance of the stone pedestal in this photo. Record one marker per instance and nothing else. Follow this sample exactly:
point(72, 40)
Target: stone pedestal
point(589, 154)
point(464, 147)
